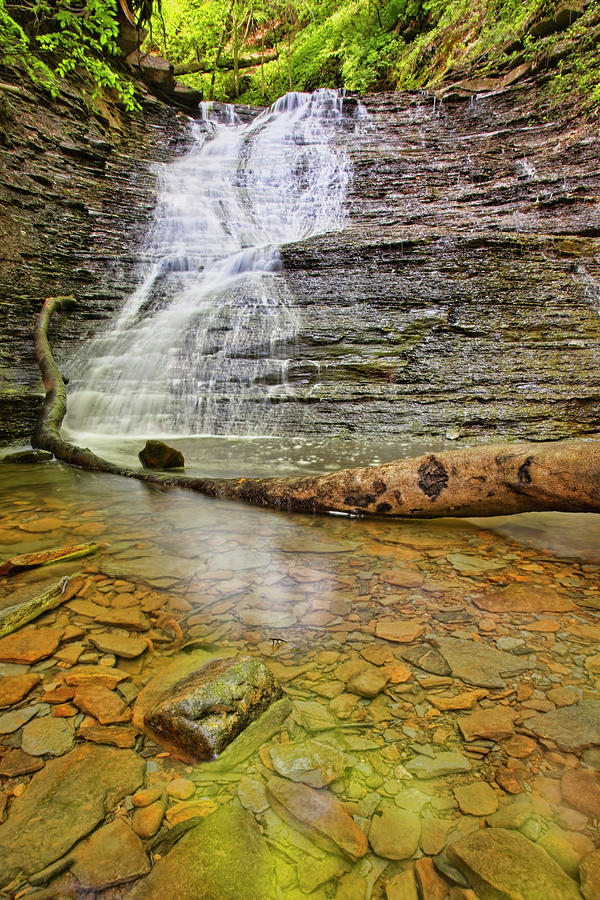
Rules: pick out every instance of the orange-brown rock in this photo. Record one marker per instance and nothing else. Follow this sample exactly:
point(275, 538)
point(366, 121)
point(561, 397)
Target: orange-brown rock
point(14, 687)
point(29, 645)
point(103, 704)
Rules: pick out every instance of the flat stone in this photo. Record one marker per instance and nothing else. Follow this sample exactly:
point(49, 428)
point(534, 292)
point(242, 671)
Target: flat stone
point(474, 565)
point(252, 794)
point(465, 700)
point(130, 618)
point(16, 762)
point(225, 857)
point(183, 812)
point(477, 799)
point(62, 804)
point(589, 873)
point(313, 873)
point(519, 746)
point(378, 654)
point(198, 716)
point(14, 688)
point(581, 789)
point(181, 788)
point(428, 658)
point(112, 855)
point(48, 736)
point(394, 833)
point(269, 617)
point(113, 735)
point(29, 645)
point(503, 865)
point(433, 886)
point(403, 631)
point(109, 677)
point(314, 716)
point(433, 834)
point(450, 762)
point(41, 525)
point(103, 704)
point(321, 814)
point(120, 643)
point(491, 724)
point(522, 598)
point(368, 681)
point(146, 820)
point(16, 718)
point(572, 728)
point(402, 887)
point(562, 696)
point(476, 663)
point(310, 762)
point(404, 578)
point(567, 848)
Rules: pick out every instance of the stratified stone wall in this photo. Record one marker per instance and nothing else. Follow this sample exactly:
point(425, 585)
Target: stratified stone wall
point(77, 190)
point(464, 297)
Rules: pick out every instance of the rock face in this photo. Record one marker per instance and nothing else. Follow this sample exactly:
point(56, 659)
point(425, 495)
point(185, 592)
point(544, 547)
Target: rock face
point(503, 865)
point(76, 200)
point(158, 455)
point(461, 275)
point(201, 714)
point(62, 804)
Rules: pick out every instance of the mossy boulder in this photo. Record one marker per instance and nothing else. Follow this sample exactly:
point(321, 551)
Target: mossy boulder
point(198, 716)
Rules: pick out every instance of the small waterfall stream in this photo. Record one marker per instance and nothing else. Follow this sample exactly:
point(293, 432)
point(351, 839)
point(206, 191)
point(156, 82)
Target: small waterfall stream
point(201, 346)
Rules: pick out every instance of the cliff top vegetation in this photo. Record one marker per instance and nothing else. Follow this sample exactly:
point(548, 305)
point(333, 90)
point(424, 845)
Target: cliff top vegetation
point(252, 51)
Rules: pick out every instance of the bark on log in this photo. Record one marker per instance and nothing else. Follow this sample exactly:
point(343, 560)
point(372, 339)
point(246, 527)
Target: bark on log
point(206, 65)
point(478, 481)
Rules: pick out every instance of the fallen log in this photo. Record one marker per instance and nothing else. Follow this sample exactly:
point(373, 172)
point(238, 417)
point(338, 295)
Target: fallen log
point(490, 480)
point(45, 558)
point(227, 65)
point(14, 617)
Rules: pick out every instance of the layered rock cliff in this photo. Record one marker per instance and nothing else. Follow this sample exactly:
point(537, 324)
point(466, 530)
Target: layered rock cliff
point(461, 300)
point(464, 296)
point(77, 190)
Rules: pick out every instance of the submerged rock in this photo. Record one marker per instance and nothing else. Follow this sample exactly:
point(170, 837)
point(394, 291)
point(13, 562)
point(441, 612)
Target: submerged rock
point(503, 865)
point(112, 855)
point(28, 456)
point(201, 714)
point(318, 814)
point(158, 455)
point(62, 804)
point(572, 728)
point(223, 858)
point(309, 761)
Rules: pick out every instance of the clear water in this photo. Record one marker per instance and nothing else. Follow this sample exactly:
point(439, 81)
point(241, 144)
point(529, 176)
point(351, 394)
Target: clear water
point(201, 346)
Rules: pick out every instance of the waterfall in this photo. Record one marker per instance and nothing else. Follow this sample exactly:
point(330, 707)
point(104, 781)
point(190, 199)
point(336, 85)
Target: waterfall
point(201, 346)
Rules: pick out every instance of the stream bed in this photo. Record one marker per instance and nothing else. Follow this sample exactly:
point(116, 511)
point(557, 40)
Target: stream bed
point(443, 678)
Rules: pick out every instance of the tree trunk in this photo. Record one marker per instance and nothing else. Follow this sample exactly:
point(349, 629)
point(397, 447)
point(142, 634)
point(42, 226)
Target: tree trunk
point(478, 481)
point(227, 64)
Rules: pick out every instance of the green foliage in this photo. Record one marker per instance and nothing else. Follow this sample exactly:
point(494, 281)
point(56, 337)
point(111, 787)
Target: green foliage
point(74, 39)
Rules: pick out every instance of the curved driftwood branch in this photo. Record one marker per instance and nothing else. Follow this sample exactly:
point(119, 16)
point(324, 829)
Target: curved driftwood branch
point(478, 481)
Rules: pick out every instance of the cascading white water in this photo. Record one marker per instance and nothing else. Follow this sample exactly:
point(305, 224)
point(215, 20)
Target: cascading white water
point(200, 347)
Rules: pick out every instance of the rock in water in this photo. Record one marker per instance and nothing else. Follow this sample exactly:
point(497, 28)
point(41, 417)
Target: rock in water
point(200, 715)
point(503, 865)
point(223, 858)
point(62, 804)
point(157, 455)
